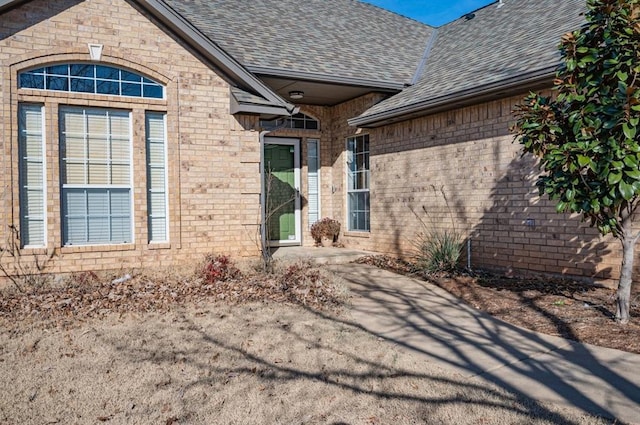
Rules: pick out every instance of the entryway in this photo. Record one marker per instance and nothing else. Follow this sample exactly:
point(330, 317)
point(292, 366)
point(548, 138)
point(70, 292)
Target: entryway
point(282, 191)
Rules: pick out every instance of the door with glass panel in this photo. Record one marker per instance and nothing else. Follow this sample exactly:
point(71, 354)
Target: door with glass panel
point(282, 190)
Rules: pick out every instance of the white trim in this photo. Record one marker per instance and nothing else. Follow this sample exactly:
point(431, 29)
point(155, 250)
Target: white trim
point(318, 172)
point(350, 157)
point(296, 177)
point(43, 168)
point(83, 111)
point(166, 175)
point(95, 51)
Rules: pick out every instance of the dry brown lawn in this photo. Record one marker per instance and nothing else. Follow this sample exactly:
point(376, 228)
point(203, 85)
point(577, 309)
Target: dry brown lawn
point(220, 355)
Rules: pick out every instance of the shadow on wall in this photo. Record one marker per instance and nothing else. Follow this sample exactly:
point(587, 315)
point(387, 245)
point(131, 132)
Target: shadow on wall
point(522, 231)
point(463, 170)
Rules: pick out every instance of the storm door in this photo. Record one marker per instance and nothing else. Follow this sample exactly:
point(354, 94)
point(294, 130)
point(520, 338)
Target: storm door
point(282, 190)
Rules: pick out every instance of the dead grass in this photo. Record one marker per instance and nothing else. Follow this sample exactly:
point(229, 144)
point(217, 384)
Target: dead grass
point(168, 348)
point(256, 363)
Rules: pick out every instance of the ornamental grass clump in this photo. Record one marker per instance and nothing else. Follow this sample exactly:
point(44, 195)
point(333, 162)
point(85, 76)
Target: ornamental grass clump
point(438, 250)
point(438, 246)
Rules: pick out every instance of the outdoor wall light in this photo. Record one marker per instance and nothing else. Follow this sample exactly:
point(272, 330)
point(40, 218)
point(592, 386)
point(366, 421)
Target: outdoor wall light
point(296, 94)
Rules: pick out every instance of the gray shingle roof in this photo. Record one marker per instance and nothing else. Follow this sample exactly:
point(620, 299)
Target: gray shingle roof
point(497, 44)
point(340, 38)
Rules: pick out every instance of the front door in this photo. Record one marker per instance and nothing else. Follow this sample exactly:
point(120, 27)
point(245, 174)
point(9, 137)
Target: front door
point(282, 191)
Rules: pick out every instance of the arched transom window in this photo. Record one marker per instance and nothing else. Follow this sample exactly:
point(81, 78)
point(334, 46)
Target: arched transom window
point(297, 121)
point(91, 78)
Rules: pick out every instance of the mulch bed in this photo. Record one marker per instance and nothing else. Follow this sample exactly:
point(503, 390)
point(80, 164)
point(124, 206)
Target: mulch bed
point(570, 309)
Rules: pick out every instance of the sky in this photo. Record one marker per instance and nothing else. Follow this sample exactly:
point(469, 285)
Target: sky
point(432, 12)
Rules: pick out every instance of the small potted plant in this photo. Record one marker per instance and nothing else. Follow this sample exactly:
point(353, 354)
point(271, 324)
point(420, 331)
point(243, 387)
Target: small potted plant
point(325, 232)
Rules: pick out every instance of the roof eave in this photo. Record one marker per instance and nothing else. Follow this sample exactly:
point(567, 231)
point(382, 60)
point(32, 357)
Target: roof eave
point(260, 109)
point(528, 81)
point(325, 78)
point(232, 69)
point(8, 4)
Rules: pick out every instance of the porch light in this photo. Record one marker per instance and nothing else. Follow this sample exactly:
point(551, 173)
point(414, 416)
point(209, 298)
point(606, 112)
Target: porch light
point(296, 94)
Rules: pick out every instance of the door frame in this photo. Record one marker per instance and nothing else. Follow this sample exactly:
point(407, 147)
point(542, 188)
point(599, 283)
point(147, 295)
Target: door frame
point(288, 141)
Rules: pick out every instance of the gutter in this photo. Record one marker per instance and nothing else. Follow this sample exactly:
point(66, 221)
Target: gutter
point(460, 98)
point(232, 69)
point(324, 78)
point(8, 4)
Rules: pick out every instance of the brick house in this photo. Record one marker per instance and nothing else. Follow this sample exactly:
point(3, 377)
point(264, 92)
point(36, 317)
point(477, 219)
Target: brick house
point(138, 132)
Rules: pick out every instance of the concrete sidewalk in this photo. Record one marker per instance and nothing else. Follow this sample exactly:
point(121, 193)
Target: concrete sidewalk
point(428, 320)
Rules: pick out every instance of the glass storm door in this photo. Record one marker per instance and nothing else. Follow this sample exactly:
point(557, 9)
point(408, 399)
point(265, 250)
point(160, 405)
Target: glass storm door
point(282, 187)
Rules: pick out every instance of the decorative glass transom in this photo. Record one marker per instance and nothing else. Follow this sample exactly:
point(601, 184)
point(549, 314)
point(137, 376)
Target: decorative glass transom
point(296, 121)
point(91, 78)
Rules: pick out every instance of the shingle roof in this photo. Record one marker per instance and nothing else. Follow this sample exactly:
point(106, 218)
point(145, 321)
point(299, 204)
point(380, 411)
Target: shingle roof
point(340, 38)
point(498, 43)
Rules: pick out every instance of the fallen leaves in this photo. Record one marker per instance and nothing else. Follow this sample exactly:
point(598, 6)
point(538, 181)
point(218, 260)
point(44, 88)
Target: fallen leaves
point(87, 295)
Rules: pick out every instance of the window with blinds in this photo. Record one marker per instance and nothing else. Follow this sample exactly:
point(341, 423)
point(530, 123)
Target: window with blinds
point(31, 153)
point(95, 156)
point(358, 178)
point(157, 177)
point(313, 180)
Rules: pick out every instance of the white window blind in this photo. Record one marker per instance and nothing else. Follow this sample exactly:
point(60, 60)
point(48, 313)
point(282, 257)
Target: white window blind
point(313, 180)
point(157, 177)
point(32, 175)
point(95, 151)
point(358, 177)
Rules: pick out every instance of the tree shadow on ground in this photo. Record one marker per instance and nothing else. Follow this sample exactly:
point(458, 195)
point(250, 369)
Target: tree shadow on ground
point(427, 320)
point(215, 362)
point(420, 318)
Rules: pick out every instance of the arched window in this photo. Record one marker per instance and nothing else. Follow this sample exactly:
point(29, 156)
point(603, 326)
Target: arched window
point(95, 143)
point(298, 121)
point(91, 78)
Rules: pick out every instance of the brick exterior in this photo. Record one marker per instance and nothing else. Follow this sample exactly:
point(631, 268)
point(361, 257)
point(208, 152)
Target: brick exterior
point(468, 156)
point(213, 170)
point(465, 155)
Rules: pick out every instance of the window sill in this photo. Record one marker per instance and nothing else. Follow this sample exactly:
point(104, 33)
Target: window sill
point(356, 234)
point(159, 245)
point(97, 248)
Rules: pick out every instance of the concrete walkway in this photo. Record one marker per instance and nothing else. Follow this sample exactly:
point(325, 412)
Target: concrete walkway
point(428, 320)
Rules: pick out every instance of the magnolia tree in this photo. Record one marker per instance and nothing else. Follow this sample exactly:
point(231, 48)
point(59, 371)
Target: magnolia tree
point(587, 137)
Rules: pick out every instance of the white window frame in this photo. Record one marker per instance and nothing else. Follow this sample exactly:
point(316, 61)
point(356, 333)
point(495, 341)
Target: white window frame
point(24, 216)
point(165, 188)
point(309, 186)
point(350, 158)
point(64, 187)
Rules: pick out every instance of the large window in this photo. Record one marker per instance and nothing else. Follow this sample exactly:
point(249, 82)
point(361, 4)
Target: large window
point(156, 177)
point(32, 175)
point(91, 78)
point(95, 155)
point(358, 177)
